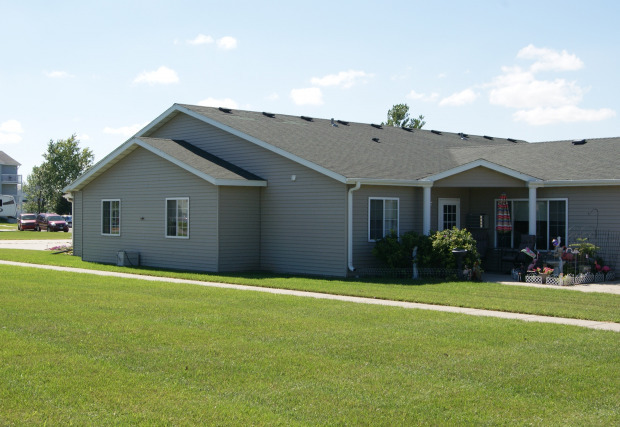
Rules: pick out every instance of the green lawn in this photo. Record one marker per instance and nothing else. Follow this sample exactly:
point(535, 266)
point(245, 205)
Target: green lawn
point(491, 296)
point(82, 349)
point(10, 232)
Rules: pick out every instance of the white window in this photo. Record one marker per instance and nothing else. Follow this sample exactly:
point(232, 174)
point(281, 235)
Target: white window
point(382, 217)
point(449, 214)
point(177, 218)
point(111, 217)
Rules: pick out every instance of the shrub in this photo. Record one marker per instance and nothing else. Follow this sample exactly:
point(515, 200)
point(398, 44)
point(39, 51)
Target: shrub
point(434, 251)
point(397, 253)
point(443, 242)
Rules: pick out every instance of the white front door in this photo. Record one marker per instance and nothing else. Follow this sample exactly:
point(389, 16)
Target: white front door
point(449, 211)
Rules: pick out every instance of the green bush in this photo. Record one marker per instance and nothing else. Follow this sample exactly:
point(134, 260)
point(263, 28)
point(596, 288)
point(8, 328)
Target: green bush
point(397, 252)
point(433, 251)
point(445, 241)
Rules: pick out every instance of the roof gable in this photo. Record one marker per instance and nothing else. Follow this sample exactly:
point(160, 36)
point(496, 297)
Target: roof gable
point(198, 162)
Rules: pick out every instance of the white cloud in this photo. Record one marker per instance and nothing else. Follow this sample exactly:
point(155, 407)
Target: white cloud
point(10, 132)
point(58, 74)
point(227, 43)
point(201, 39)
point(566, 114)
point(550, 60)
point(11, 126)
point(273, 97)
point(126, 131)
point(163, 75)
point(345, 79)
point(422, 96)
point(307, 96)
point(464, 97)
point(520, 89)
point(213, 102)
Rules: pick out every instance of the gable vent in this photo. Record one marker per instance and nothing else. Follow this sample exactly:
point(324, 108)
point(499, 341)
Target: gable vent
point(269, 114)
point(490, 138)
point(376, 140)
point(376, 126)
point(579, 142)
point(436, 132)
point(225, 110)
point(342, 122)
point(308, 119)
point(512, 140)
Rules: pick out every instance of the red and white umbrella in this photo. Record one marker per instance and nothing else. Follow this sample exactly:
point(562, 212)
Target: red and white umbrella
point(503, 215)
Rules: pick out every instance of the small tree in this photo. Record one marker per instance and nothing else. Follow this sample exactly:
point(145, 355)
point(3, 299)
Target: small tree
point(64, 162)
point(398, 116)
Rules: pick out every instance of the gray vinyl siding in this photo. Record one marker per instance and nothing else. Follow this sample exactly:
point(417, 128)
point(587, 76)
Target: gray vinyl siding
point(479, 177)
point(142, 181)
point(303, 221)
point(239, 228)
point(78, 223)
point(410, 218)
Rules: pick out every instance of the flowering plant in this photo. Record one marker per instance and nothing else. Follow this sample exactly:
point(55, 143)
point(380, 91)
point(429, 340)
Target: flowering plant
point(544, 270)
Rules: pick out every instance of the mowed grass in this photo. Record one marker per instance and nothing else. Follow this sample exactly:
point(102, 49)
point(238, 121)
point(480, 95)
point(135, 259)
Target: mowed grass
point(491, 296)
point(10, 232)
point(82, 349)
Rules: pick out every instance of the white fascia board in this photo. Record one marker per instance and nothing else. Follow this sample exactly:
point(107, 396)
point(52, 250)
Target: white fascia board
point(580, 183)
point(210, 179)
point(484, 163)
point(161, 118)
point(390, 182)
point(258, 142)
point(101, 165)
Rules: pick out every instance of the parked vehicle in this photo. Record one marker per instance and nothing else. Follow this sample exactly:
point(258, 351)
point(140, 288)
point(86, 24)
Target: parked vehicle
point(26, 221)
point(69, 220)
point(8, 208)
point(51, 222)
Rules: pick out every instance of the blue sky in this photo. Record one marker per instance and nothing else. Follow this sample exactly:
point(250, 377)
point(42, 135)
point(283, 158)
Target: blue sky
point(533, 70)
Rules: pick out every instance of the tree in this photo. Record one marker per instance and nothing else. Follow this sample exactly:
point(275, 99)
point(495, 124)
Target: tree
point(64, 162)
point(398, 116)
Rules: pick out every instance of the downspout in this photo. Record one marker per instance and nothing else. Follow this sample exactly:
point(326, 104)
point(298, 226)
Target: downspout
point(358, 184)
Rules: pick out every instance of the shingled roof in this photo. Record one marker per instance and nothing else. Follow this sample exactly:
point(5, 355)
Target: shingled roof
point(362, 150)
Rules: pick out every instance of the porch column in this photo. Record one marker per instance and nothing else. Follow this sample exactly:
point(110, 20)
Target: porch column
point(426, 216)
point(532, 211)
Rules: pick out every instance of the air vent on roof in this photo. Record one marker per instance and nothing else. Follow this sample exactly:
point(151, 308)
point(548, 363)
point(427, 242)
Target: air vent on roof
point(225, 110)
point(579, 142)
point(512, 140)
point(334, 123)
point(342, 122)
point(376, 140)
point(407, 129)
point(490, 138)
point(269, 114)
point(376, 126)
point(308, 119)
point(463, 135)
point(436, 132)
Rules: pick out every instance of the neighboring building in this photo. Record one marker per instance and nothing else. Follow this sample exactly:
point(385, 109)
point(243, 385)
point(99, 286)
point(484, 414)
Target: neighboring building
point(220, 190)
point(10, 180)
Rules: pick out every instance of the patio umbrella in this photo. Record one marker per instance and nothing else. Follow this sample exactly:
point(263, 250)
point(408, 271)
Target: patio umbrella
point(503, 215)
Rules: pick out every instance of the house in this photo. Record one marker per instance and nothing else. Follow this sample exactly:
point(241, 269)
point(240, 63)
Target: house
point(223, 190)
point(10, 180)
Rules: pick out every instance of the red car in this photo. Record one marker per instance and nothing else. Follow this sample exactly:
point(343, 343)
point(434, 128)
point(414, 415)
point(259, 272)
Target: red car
point(26, 221)
point(51, 222)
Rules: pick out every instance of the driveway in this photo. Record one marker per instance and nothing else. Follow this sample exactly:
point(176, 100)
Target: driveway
point(33, 244)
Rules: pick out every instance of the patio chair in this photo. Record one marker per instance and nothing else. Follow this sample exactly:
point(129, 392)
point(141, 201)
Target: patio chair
point(515, 257)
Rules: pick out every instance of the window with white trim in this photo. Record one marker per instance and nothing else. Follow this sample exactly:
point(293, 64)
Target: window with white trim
point(382, 217)
point(177, 217)
point(111, 217)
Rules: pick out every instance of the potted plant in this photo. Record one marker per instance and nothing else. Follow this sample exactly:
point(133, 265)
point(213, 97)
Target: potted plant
point(587, 252)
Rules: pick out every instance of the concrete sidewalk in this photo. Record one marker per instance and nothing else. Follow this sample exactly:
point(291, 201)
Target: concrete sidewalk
point(609, 326)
